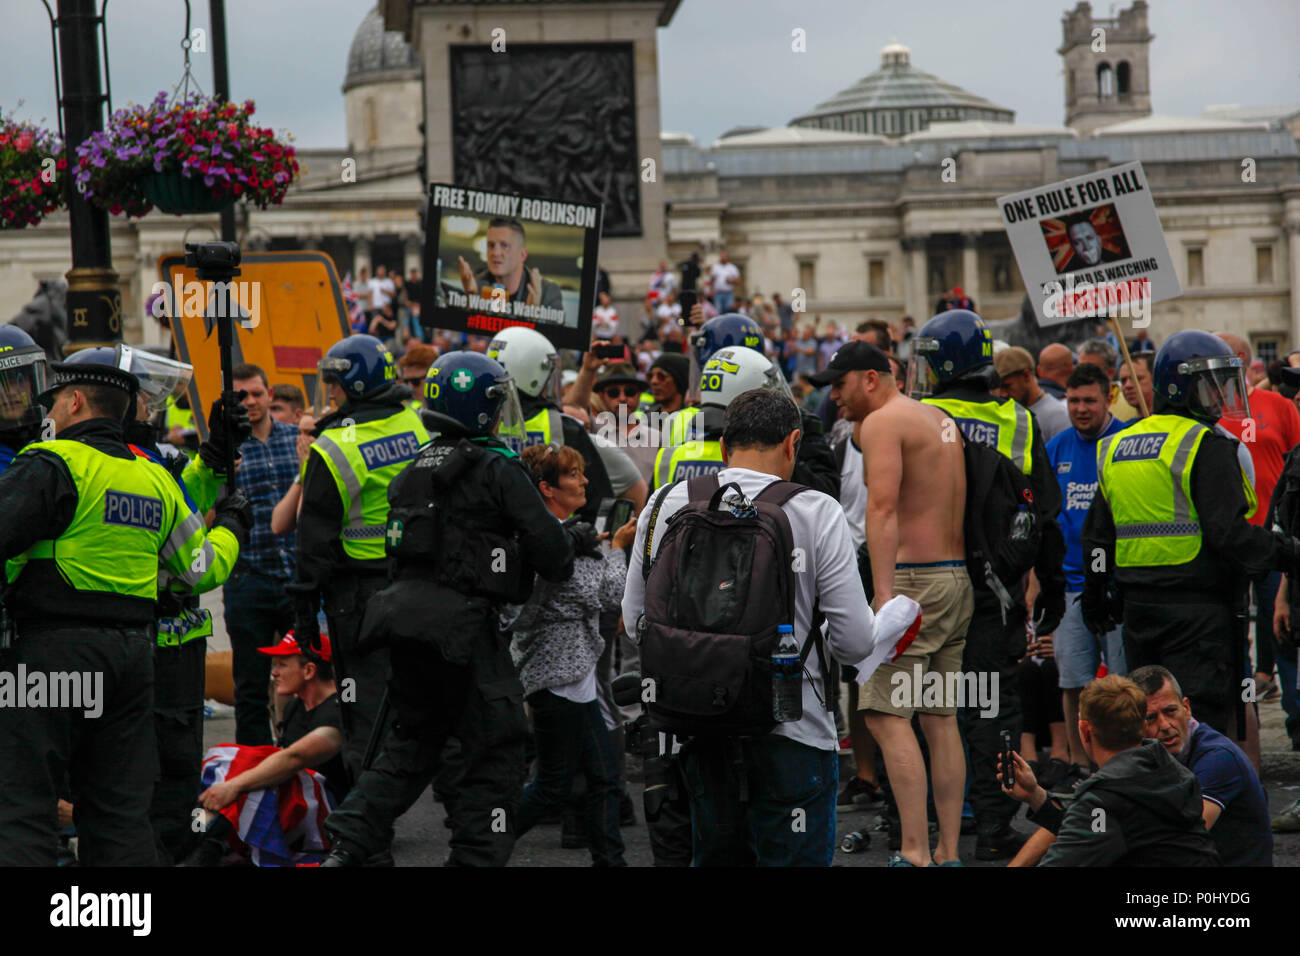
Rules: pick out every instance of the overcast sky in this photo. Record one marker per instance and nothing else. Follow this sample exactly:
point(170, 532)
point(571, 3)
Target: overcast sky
point(723, 63)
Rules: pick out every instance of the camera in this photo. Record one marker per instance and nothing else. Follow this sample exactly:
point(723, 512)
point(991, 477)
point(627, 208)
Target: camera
point(213, 260)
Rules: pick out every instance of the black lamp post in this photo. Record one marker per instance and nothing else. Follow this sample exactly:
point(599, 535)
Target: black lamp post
point(94, 298)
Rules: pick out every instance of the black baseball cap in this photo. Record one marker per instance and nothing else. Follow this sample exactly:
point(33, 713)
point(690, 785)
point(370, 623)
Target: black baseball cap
point(850, 357)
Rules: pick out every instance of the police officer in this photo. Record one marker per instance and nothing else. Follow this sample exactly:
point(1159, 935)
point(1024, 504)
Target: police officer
point(816, 465)
point(359, 449)
point(1170, 528)
point(180, 657)
point(952, 367)
point(466, 531)
point(84, 525)
point(22, 378)
point(532, 362)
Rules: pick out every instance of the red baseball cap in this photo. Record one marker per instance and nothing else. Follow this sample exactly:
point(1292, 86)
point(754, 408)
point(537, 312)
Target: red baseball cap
point(289, 645)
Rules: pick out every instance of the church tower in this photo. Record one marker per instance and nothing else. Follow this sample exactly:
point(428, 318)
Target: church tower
point(1107, 67)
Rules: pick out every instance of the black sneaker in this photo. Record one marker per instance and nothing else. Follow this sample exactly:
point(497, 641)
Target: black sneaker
point(1053, 773)
point(626, 812)
point(344, 854)
point(860, 793)
point(1064, 788)
point(997, 845)
point(207, 853)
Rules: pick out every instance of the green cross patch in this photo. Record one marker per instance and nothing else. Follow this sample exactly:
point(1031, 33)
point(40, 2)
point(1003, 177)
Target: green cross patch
point(394, 533)
point(462, 380)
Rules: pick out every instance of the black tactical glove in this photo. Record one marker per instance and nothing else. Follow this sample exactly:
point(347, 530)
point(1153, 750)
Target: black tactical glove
point(227, 430)
point(1049, 606)
point(583, 536)
point(235, 512)
point(306, 604)
point(1103, 609)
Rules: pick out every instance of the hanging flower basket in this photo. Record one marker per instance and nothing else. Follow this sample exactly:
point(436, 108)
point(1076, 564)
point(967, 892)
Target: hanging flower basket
point(32, 172)
point(172, 192)
point(196, 156)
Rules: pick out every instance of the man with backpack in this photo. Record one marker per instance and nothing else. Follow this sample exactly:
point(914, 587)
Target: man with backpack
point(952, 367)
point(733, 559)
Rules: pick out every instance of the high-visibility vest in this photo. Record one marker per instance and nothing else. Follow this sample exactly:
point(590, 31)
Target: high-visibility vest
point(130, 516)
point(364, 459)
point(1003, 425)
point(542, 429)
point(680, 462)
point(1145, 472)
point(682, 424)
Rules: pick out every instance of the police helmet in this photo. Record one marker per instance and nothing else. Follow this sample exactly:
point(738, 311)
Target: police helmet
point(950, 346)
point(1197, 375)
point(725, 331)
point(360, 364)
point(94, 366)
point(23, 371)
point(530, 359)
point(467, 392)
point(734, 371)
point(163, 380)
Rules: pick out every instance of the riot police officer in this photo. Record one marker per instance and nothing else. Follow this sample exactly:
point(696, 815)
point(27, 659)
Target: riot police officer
point(22, 379)
point(816, 465)
point(1171, 521)
point(180, 657)
point(359, 449)
point(532, 362)
point(952, 367)
point(466, 531)
point(84, 525)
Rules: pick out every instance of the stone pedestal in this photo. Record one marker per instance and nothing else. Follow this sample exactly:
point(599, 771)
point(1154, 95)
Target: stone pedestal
point(445, 36)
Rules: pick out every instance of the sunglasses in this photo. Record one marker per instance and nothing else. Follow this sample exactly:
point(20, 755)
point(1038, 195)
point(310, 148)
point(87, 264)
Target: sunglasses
point(415, 381)
point(621, 391)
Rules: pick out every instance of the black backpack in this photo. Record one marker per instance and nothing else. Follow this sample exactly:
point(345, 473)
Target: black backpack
point(717, 590)
point(1003, 526)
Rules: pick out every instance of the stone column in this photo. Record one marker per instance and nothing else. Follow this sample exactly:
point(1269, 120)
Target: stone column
point(916, 292)
point(1292, 230)
point(970, 271)
point(412, 253)
point(151, 329)
point(360, 254)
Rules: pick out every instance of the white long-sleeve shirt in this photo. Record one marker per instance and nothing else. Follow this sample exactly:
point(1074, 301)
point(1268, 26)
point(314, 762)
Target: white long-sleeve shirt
point(831, 577)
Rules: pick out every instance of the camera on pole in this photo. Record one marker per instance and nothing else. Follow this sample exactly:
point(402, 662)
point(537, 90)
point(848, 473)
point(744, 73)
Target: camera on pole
point(218, 262)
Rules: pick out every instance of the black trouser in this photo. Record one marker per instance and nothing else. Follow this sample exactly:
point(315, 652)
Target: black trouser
point(258, 613)
point(992, 648)
point(482, 706)
point(1198, 644)
point(110, 759)
point(1040, 698)
point(667, 807)
point(179, 675)
point(345, 604)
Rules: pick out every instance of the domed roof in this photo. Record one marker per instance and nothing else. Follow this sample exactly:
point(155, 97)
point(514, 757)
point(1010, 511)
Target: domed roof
point(899, 85)
point(376, 51)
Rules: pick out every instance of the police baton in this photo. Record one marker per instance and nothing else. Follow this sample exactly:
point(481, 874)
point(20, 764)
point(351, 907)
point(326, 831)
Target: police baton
point(218, 262)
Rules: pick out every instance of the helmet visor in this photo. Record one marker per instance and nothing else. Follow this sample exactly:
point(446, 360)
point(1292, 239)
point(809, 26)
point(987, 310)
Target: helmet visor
point(553, 388)
point(922, 380)
point(22, 379)
point(162, 380)
point(329, 371)
point(509, 426)
point(1217, 389)
point(696, 340)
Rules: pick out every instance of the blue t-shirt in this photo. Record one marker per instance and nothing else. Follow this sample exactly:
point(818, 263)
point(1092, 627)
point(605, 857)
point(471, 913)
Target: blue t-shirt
point(1242, 832)
point(1074, 462)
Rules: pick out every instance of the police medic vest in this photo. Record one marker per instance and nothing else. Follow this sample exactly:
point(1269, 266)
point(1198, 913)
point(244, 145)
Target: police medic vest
point(1145, 472)
point(691, 460)
point(1001, 425)
point(130, 513)
point(363, 459)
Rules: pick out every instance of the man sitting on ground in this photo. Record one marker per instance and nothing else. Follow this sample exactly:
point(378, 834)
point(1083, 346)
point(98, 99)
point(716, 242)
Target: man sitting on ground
point(1141, 808)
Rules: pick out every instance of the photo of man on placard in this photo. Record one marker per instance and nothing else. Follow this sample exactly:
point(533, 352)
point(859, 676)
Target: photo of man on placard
point(1085, 239)
point(506, 254)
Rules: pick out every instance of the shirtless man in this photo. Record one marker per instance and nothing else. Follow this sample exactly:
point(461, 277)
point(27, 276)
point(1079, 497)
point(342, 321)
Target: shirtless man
point(915, 506)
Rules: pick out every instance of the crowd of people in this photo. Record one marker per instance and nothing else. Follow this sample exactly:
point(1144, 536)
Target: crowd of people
point(743, 552)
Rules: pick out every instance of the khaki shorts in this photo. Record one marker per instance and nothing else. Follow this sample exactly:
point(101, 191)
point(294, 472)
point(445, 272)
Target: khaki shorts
point(947, 602)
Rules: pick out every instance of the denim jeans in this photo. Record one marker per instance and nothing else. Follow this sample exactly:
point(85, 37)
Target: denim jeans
point(258, 612)
point(1285, 661)
point(723, 301)
point(572, 737)
point(788, 814)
